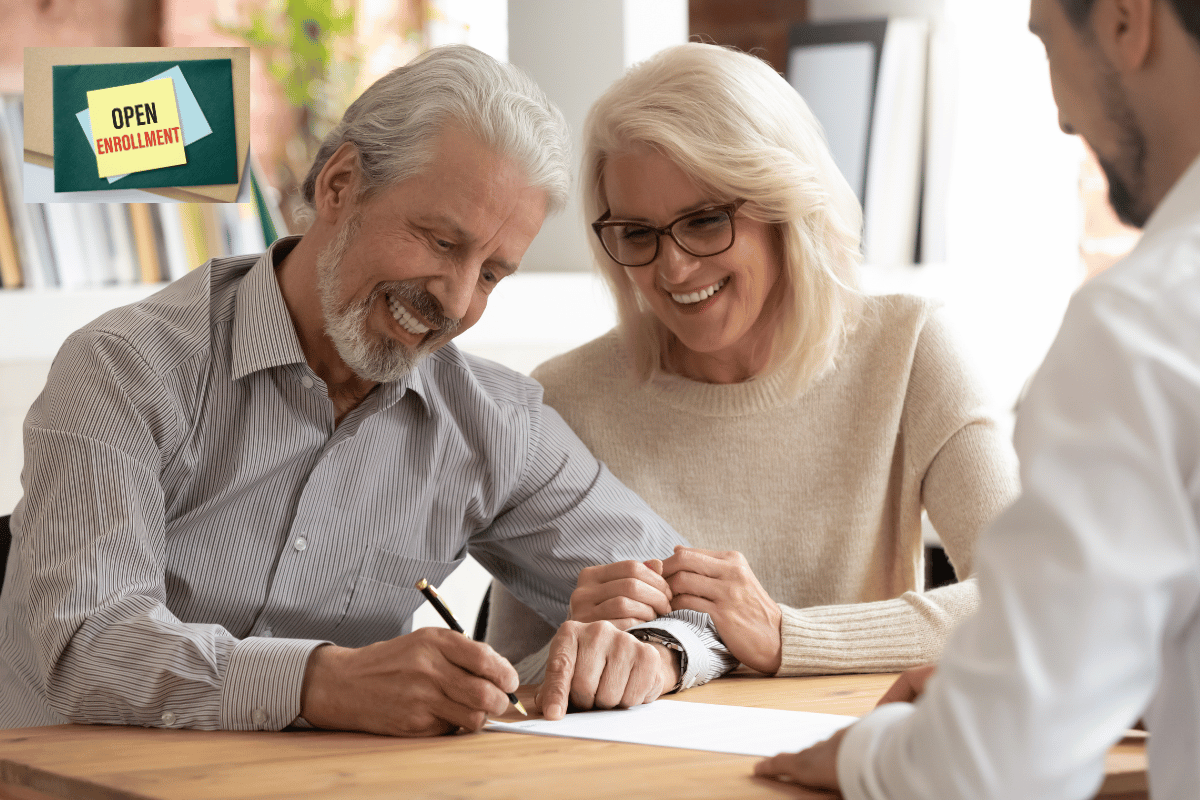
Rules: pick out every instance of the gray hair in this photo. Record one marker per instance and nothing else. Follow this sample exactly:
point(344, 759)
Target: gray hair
point(739, 130)
point(394, 125)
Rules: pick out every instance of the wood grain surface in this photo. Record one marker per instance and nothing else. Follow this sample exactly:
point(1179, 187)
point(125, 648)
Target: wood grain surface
point(90, 762)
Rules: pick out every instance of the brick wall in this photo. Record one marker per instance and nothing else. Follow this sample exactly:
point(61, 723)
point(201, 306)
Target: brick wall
point(755, 26)
point(73, 23)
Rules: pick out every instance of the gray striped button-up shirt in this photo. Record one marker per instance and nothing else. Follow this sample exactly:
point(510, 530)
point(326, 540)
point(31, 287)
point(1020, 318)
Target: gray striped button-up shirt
point(194, 524)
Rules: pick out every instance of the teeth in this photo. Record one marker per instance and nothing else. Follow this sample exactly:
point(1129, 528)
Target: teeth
point(406, 320)
point(703, 294)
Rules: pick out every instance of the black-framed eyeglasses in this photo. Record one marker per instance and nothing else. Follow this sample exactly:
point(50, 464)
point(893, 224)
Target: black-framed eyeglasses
point(706, 232)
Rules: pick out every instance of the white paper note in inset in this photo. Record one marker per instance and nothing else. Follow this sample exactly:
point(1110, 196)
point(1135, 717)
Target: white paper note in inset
point(693, 726)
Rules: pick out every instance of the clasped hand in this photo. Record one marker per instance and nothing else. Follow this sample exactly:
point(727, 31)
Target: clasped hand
point(720, 584)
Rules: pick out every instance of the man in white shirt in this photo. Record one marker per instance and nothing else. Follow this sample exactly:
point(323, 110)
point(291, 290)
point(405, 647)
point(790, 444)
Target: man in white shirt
point(1090, 582)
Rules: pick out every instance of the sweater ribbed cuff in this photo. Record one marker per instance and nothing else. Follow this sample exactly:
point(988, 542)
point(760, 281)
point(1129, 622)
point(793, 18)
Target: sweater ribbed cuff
point(884, 636)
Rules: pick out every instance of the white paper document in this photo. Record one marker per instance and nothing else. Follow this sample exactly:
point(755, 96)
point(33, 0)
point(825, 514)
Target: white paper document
point(693, 726)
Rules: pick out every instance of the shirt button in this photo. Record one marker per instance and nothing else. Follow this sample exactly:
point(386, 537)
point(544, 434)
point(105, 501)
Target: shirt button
point(260, 716)
point(300, 544)
point(306, 382)
point(168, 718)
point(266, 634)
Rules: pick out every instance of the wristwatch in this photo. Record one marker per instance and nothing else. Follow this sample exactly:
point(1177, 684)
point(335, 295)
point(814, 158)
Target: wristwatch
point(651, 636)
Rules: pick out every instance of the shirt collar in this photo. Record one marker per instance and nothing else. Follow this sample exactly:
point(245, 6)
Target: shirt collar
point(264, 336)
point(1179, 205)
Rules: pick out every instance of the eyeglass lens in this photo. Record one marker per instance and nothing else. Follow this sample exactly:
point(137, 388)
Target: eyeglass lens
point(703, 233)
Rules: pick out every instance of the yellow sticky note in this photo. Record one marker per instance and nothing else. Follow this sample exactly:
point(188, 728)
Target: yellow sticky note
point(136, 127)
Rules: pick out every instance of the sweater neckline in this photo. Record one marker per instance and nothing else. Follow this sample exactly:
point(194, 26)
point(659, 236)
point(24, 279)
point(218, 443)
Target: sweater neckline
point(761, 393)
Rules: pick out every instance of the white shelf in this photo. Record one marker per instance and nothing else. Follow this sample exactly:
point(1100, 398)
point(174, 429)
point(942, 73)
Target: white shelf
point(35, 322)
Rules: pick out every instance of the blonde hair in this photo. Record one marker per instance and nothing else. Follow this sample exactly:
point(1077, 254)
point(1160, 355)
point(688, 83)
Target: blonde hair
point(739, 130)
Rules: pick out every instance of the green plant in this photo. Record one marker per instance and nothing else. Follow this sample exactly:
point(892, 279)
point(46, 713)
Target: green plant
point(307, 48)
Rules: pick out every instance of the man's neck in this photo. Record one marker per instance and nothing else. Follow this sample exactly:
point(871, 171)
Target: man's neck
point(1168, 95)
point(297, 276)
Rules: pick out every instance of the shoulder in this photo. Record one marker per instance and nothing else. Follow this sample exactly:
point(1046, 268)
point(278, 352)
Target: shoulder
point(174, 325)
point(587, 385)
point(909, 343)
point(464, 382)
point(592, 388)
point(900, 333)
point(896, 318)
point(1155, 286)
point(601, 358)
point(1141, 316)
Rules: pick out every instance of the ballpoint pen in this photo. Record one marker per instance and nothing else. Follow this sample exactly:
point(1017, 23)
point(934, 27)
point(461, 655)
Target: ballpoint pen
point(432, 596)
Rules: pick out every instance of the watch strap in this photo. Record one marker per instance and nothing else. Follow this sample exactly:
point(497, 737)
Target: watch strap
point(653, 636)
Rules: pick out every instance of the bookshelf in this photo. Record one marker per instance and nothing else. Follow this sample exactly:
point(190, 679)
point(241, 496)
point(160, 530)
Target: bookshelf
point(62, 264)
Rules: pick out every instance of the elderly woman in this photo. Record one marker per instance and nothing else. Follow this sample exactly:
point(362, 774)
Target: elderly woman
point(788, 426)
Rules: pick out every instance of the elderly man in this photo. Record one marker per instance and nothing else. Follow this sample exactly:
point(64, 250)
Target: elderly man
point(1090, 582)
point(232, 487)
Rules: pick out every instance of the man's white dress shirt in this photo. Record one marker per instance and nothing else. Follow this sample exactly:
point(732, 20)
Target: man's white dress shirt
point(1090, 582)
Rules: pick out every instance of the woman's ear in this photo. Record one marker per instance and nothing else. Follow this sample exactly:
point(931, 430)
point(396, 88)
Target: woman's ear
point(337, 183)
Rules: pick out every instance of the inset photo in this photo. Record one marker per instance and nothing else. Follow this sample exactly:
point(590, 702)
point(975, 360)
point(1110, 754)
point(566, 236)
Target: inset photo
point(170, 122)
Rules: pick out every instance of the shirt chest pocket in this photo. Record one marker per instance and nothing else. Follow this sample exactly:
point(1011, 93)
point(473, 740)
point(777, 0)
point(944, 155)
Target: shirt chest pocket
point(384, 596)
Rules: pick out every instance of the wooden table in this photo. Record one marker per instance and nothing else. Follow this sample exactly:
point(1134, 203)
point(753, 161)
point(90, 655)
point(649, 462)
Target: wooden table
point(82, 762)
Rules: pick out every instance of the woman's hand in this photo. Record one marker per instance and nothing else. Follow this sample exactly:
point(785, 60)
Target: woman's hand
point(624, 593)
point(722, 585)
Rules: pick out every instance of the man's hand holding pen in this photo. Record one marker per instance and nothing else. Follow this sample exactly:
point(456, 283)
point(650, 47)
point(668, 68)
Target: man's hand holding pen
point(425, 683)
point(435, 681)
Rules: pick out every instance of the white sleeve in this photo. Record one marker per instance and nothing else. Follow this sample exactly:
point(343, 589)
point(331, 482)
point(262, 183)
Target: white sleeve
point(1082, 580)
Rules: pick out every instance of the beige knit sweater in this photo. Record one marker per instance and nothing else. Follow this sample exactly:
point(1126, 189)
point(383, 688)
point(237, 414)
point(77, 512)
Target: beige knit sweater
point(822, 493)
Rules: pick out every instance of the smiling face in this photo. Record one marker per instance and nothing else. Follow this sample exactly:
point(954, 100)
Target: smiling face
point(1092, 103)
point(412, 266)
point(722, 309)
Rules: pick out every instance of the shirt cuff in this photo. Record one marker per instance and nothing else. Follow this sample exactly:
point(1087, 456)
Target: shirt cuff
point(700, 662)
point(263, 682)
point(857, 754)
point(532, 668)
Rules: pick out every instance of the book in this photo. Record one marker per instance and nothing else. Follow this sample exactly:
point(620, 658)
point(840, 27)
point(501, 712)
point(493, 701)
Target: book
point(242, 227)
point(123, 255)
point(141, 222)
point(266, 200)
point(196, 243)
point(28, 227)
point(70, 253)
point(172, 240)
point(10, 264)
point(96, 238)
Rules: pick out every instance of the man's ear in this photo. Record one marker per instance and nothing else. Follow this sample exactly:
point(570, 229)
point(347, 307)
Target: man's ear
point(337, 183)
point(1125, 31)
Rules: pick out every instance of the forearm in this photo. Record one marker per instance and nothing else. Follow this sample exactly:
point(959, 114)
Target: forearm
point(150, 669)
point(884, 636)
point(97, 636)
